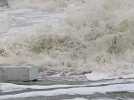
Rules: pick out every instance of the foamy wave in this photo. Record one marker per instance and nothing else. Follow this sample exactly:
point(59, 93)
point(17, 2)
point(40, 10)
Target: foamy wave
point(89, 34)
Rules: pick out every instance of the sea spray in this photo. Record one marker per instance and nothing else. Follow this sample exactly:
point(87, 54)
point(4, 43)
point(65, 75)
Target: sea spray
point(91, 35)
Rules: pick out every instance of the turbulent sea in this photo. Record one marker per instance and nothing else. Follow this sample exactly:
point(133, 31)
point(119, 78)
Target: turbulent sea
point(72, 37)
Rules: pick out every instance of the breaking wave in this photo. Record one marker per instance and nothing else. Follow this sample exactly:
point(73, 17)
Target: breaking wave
point(88, 35)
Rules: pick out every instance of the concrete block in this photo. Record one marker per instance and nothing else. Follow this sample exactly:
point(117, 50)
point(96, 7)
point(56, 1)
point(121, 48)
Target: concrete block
point(18, 73)
point(3, 3)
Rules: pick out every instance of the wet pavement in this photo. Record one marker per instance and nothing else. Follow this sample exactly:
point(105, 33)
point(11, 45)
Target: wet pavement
point(119, 89)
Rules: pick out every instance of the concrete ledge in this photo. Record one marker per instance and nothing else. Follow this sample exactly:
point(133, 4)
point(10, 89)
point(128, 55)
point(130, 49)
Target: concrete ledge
point(18, 73)
point(3, 3)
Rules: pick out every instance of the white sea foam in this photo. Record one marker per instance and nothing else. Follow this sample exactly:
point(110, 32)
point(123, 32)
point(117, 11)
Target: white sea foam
point(80, 35)
point(76, 99)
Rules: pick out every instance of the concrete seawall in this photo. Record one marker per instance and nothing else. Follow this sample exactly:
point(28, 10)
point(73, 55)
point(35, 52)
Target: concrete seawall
point(3, 3)
point(18, 73)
